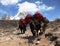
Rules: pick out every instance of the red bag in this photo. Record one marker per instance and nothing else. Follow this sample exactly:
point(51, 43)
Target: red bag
point(22, 21)
point(37, 15)
point(28, 17)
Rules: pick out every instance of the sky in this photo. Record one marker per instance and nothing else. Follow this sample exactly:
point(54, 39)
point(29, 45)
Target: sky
point(48, 8)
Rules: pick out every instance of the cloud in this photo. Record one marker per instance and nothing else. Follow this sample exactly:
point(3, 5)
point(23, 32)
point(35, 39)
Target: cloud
point(9, 2)
point(32, 8)
point(27, 6)
point(50, 8)
point(38, 2)
point(44, 7)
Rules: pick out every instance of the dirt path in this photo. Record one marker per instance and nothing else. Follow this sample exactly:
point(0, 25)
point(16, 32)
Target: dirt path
point(23, 40)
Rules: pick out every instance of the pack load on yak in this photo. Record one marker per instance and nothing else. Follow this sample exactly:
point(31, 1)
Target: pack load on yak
point(22, 21)
point(28, 18)
point(39, 16)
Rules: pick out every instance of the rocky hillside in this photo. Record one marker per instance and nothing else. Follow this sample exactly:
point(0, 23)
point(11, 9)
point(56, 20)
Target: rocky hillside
point(8, 23)
point(54, 23)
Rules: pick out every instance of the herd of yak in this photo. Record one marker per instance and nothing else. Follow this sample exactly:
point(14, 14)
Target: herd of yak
point(36, 22)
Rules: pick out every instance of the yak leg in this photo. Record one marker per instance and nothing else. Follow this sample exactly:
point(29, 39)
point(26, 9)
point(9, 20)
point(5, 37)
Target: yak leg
point(33, 32)
point(20, 27)
point(24, 30)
